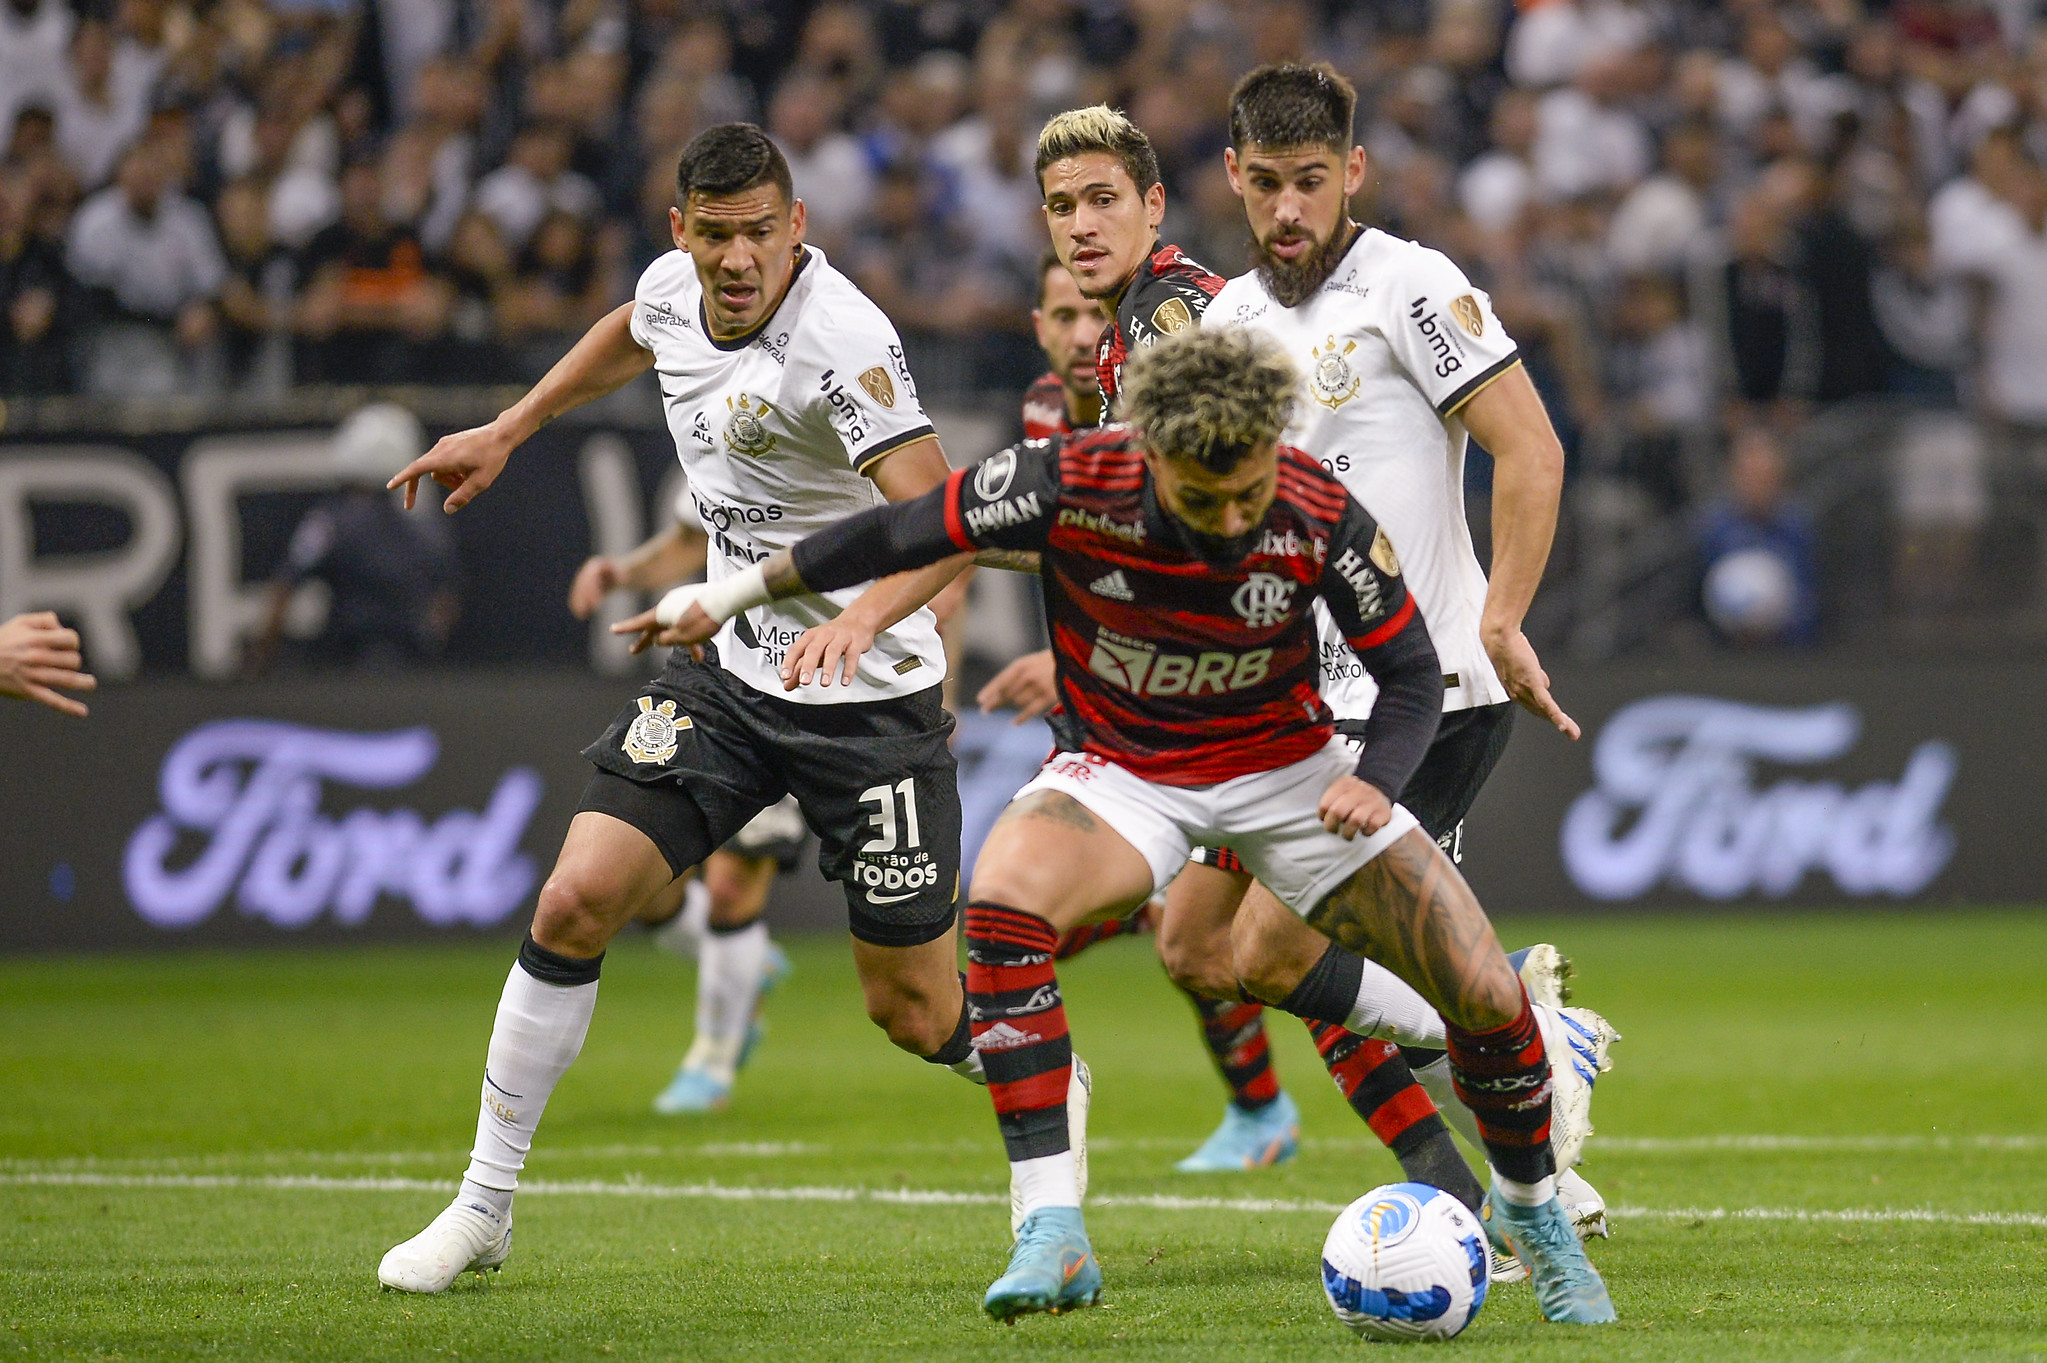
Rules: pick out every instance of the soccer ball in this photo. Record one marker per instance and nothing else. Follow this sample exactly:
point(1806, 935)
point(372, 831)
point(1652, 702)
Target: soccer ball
point(1405, 1262)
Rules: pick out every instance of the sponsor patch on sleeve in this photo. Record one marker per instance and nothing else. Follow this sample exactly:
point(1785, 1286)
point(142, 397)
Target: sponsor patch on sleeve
point(880, 387)
point(1172, 316)
point(1382, 553)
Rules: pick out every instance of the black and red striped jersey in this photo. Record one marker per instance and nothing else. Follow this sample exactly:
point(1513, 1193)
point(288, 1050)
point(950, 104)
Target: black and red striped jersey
point(1184, 671)
point(1044, 409)
point(1170, 293)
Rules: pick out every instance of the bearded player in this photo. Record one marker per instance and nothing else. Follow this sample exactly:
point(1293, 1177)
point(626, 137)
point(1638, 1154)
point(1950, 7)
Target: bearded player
point(1197, 698)
point(791, 408)
point(1404, 361)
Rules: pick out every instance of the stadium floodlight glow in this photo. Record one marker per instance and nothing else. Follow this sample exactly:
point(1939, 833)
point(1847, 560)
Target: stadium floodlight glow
point(251, 789)
point(1677, 801)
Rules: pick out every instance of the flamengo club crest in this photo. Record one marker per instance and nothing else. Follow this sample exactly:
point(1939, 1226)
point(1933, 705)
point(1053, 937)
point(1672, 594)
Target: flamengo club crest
point(1263, 599)
point(1331, 380)
point(747, 430)
point(652, 737)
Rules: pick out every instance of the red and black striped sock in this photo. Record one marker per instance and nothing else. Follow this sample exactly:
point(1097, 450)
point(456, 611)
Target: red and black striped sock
point(1502, 1075)
point(1378, 1085)
point(1235, 1033)
point(1019, 1026)
point(1081, 938)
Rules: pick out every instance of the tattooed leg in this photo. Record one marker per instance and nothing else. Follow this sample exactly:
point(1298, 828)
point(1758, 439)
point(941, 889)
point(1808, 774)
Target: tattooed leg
point(1410, 910)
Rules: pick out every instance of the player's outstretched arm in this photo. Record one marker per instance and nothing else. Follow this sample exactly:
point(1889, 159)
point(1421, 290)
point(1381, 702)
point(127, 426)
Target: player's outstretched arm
point(38, 657)
point(467, 462)
point(662, 561)
point(1507, 417)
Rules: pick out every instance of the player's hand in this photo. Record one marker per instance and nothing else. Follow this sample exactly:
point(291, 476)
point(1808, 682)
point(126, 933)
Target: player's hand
point(1351, 807)
point(1521, 673)
point(691, 628)
point(1030, 684)
point(37, 654)
point(828, 650)
point(466, 462)
point(598, 578)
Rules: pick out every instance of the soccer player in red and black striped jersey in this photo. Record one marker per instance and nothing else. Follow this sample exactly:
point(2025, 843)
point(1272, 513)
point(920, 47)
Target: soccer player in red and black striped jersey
point(1262, 1124)
point(1103, 205)
point(1181, 556)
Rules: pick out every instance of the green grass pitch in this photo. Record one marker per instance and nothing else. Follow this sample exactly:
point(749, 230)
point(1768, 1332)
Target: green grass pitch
point(1824, 1138)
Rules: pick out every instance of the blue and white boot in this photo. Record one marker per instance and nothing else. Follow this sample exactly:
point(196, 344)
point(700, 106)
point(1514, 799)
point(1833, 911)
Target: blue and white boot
point(1052, 1269)
point(1567, 1286)
point(1249, 1140)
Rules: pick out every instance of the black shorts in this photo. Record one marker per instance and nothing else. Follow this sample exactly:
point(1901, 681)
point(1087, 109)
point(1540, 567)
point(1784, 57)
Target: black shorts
point(775, 834)
point(699, 753)
point(1467, 747)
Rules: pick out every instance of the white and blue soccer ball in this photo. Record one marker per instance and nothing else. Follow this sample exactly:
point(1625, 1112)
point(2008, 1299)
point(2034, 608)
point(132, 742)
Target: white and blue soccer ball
point(1405, 1262)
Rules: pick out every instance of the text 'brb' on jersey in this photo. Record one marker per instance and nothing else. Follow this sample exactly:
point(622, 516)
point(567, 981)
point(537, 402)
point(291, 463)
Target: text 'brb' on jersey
point(1183, 672)
point(1391, 346)
point(776, 430)
point(1170, 293)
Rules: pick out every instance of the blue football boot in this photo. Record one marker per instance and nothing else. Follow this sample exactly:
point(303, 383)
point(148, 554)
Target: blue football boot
point(693, 1089)
point(1249, 1140)
point(773, 971)
point(1567, 1286)
point(1052, 1268)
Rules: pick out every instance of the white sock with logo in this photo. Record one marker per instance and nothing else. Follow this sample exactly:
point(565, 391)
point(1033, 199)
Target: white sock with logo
point(1390, 1009)
point(539, 1031)
point(1434, 1078)
point(729, 967)
point(1048, 1181)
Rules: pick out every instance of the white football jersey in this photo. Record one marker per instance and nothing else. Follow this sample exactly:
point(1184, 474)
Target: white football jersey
point(776, 430)
point(1391, 345)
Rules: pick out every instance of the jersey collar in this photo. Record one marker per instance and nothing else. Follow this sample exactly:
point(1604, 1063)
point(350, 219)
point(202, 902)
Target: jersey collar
point(1136, 276)
point(746, 338)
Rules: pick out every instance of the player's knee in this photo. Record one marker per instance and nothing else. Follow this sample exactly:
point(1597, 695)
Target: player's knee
point(1197, 968)
point(1262, 976)
point(912, 1020)
point(576, 917)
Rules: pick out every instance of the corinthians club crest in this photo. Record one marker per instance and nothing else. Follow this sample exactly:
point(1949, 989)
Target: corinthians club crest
point(747, 431)
point(652, 738)
point(1331, 380)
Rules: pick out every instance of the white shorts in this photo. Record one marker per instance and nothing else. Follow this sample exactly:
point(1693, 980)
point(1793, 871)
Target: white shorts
point(1267, 818)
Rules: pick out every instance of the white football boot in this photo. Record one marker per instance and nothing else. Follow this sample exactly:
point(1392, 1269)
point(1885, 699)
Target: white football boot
point(1576, 1040)
point(1583, 1204)
point(468, 1235)
point(1543, 972)
point(1080, 1091)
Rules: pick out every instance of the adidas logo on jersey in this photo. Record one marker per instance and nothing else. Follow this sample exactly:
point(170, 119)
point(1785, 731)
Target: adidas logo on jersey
point(1004, 1037)
point(1113, 587)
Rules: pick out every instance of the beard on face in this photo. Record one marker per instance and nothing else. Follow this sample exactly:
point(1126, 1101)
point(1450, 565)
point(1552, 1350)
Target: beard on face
point(1291, 281)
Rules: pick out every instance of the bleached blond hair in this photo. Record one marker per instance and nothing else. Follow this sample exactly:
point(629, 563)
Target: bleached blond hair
point(1098, 128)
point(1211, 395)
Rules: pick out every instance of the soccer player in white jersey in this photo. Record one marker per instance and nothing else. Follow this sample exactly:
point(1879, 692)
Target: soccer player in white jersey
point(791, 408)
point(1403, 360)
point(717, 914)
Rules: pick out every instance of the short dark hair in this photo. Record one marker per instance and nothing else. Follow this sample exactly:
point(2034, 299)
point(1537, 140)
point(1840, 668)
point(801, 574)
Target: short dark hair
point(1098, 128)
point(1047, 263)
point(1288, 105)
point(731, 158)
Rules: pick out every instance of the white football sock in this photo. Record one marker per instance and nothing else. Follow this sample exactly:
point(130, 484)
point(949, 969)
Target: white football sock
point(540, 1028)
point(1526, 1194)
point(1048, 1181)
point(1389, 1008)
point(1435, 1079)
point(729, 966)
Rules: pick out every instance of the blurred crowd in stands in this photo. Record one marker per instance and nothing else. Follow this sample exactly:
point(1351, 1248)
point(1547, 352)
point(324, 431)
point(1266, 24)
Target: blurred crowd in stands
point(1703, 221)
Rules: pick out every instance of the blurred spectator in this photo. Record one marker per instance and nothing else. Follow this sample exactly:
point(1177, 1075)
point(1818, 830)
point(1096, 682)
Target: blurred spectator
point(1497, 185)
point(1765, 318)
point(1659, 226)
point(830, 168)
point(32, 286)
point(35, 35)
point(479, 269)
point(1660, 384)
point(370, 299)
point(392, 579)
point(96, 118)
point(533, 182)
point(153, 264)
point(557, 292)
point(1758, 552)
point(258, 300)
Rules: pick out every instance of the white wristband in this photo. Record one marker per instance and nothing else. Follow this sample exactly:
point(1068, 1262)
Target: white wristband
point(720, 600)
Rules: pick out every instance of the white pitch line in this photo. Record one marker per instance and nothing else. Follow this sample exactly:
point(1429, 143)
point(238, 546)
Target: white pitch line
point(719, 1192)
point(1653, 1145)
